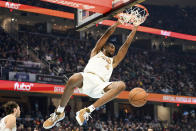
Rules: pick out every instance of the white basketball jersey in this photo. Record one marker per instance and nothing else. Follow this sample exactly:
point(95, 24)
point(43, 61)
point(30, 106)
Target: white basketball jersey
point(2, 125)
point(100, 65)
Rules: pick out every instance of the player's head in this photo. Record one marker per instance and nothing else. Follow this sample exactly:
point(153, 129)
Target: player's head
point(109, 49)
point(12, 107)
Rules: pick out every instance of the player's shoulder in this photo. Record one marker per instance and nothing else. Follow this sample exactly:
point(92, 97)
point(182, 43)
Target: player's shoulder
point(93, 54)
point(10, 121)
point(10, 118)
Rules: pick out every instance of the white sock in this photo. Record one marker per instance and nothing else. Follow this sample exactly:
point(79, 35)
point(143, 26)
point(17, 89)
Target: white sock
point(91, 108)
point(60, 109)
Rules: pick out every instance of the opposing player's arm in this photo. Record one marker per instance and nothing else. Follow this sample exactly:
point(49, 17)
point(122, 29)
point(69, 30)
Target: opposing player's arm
point(11, 122)
point(124, 48)
point(100, 43)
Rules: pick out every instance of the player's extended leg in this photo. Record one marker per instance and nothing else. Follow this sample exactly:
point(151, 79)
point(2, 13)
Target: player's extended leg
point(74, 81)
point(111, 92)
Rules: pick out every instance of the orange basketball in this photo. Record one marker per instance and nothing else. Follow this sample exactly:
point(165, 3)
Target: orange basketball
point(138, 97)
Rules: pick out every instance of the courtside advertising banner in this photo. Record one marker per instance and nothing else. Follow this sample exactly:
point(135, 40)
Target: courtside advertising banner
point(59, 89)
point(33, 87)
point(152, 31)
point(33, 9)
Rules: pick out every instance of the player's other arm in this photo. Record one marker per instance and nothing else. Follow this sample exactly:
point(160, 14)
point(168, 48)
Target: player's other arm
point(100, 43)
point(11, 123)
point(124, 48)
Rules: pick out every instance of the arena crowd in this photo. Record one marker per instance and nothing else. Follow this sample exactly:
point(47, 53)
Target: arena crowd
point(158, 71)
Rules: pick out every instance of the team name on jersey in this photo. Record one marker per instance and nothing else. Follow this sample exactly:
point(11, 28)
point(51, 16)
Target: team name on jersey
point(106, 59)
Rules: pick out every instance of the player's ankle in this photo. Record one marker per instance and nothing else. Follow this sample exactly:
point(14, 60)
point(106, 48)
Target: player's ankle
point(91, 108)
point(60, 109)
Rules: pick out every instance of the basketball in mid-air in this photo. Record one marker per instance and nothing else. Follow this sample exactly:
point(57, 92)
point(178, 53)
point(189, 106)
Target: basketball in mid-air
point(138, 97)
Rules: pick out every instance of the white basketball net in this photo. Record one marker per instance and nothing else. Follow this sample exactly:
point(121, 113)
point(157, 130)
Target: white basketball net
point(134, 15)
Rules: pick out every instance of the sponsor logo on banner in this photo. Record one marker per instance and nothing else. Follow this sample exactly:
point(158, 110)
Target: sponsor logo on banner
point(12, 5)
point(59, 89)
point(165, 33)
point(23, 86)
point(71, 3)
point(178, 99)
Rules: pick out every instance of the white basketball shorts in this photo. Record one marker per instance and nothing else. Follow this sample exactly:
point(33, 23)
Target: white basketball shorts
point(93, 86)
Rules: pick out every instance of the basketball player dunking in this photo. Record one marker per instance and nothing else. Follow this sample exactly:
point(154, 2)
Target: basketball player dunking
point(94, 81)
point(8, 123)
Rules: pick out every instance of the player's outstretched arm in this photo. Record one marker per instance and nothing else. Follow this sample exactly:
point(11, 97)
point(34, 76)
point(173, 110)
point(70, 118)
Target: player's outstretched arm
point(124, 48)
point(100, 43)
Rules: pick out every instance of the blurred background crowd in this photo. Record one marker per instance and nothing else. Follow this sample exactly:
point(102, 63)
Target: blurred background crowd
point(139, 119)
point(158, 69)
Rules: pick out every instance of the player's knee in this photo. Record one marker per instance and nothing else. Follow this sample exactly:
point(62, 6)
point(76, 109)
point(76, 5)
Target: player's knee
point(75, 77)
point(75, 80)
point(122, 85)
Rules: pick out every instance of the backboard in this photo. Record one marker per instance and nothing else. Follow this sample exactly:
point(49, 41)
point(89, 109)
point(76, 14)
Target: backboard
point(85, 19)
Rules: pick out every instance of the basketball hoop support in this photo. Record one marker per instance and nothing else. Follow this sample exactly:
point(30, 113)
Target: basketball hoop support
point(111, 13)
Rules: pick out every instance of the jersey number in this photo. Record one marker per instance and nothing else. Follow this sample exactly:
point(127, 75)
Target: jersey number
point(107, 66)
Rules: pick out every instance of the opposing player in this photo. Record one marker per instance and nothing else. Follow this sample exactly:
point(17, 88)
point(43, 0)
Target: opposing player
point(94, 81)
point(8, 123)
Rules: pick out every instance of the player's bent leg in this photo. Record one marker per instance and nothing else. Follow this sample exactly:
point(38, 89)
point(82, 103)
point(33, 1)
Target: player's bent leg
point(112, 91)
point(74, 81)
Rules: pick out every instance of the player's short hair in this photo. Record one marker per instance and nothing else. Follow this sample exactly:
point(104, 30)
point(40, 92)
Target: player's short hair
point(104, 46)
point(9, 107)
point(107, 44)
